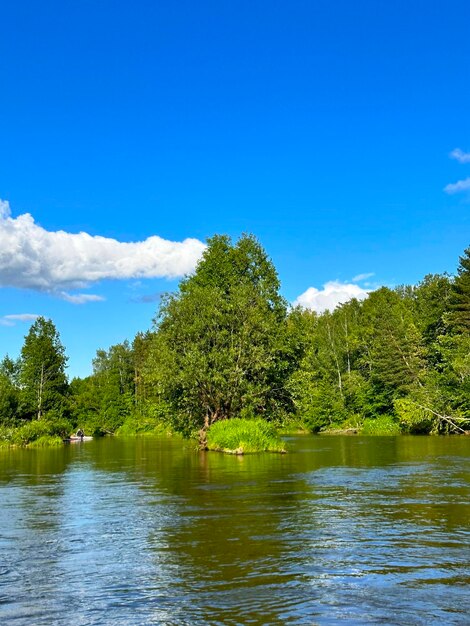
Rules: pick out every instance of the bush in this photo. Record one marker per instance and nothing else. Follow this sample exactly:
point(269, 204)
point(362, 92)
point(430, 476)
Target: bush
point(292, 425)
point(414, 418)
point(383, 425)
point(46, 441)
point(6, 435)
point(239, 436)
point(43, 431)
point(30, 432)
point(143, 426)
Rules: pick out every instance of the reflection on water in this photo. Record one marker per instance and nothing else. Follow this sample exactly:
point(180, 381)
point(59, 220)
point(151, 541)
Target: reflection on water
point(341, 530)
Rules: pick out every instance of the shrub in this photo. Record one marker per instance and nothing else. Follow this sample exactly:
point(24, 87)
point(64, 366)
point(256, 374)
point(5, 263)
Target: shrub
point(46, 441)
point(244, 435)
point(30, 432)
point(143, 426)
point(413, 417)
point(382, 425)
point(37, 430)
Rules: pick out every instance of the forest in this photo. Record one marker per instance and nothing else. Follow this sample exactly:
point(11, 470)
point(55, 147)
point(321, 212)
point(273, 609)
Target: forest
point(227, 345)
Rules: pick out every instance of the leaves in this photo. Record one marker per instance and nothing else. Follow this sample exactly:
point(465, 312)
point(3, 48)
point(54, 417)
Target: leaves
point(219, 347)
point(42, 376)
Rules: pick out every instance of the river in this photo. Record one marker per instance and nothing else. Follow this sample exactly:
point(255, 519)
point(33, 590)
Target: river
point(341, 530)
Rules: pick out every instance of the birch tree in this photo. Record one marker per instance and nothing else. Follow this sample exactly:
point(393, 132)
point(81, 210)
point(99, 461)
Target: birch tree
point(42, 378)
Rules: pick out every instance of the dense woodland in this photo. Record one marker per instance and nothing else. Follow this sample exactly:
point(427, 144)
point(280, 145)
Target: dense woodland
point(227, 344)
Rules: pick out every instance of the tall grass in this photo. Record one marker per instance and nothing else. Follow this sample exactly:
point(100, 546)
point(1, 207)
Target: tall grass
point(239, 436)
point(383, 425)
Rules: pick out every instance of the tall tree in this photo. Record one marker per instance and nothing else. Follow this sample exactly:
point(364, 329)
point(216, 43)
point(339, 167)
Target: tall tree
point(42, 370)
point(393, 353)
point(431, 298)
point(220, 347)
point(9, 391)
point(460, 303)
point(140, 348)
point(113, 383)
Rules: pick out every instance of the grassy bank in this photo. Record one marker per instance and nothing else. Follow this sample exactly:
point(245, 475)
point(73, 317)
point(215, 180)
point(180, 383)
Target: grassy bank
point(383, 425)
point(241, 436)
point(35, 434)
point(44, 432)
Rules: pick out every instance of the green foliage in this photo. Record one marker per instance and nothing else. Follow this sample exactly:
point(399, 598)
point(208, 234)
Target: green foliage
point(139, 426)
point(40, 432)
point(320, 404)
point(243, 435)
point(101, 403)
point(431, 302)
point(383, 425)
point(460, 304)
point(84, 400)
point(414, 418)
point(42, 378)
point(393, 351)
point(364, 357)
point(47, 441)
point(9, 392)
point(221, 344)
point(225, 346)
point(155, 421)
point(418, 418)
point(291, 425)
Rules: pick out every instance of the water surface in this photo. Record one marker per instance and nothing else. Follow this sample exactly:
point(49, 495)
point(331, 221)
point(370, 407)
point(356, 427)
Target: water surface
point(355, 530)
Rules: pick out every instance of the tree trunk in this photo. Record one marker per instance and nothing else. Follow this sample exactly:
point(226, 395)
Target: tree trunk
point(40, 392)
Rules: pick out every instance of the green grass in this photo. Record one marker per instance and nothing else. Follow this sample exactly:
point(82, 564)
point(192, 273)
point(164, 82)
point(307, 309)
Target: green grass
point(383, 425)
point(46, 441)
point(241, 436)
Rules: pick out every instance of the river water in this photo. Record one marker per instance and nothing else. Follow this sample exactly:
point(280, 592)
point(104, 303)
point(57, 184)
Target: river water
point(353, 530)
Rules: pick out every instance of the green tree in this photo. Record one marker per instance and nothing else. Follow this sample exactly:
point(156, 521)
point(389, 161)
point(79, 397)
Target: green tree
point(392, 349)
point(85, 402)
point(221, 346)
point(140, 348)
point(326, 387)
point(432, 297)
point(460, 304)
point(42, 371)
point(9, 391)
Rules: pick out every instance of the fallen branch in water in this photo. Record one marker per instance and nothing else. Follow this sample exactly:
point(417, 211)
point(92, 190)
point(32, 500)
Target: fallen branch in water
point(446, 418)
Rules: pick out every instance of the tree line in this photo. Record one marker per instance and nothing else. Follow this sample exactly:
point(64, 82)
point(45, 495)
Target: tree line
point(227, 344)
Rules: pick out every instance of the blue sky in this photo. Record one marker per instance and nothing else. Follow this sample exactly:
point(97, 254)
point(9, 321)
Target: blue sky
point(323, 127)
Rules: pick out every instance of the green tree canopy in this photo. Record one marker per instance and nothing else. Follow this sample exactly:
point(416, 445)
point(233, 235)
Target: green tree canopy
point(461, 295)
point(220, 349)
point(42, 370)
point(9, 392)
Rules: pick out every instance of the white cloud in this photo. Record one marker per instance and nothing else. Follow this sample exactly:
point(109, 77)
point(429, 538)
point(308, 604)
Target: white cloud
point(360, 277)
point(460, 156)
point(79, 298)
point(10, 320)
point(328, 298)
point(56, 261)
point(461, 185)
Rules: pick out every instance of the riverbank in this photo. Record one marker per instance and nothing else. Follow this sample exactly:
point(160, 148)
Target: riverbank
point(233, 436)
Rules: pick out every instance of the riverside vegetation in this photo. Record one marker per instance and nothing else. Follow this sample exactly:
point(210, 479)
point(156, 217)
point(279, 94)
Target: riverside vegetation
point(226, 345)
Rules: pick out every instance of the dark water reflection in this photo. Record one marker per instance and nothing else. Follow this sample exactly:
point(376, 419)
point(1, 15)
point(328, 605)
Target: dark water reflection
point(340, 530)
